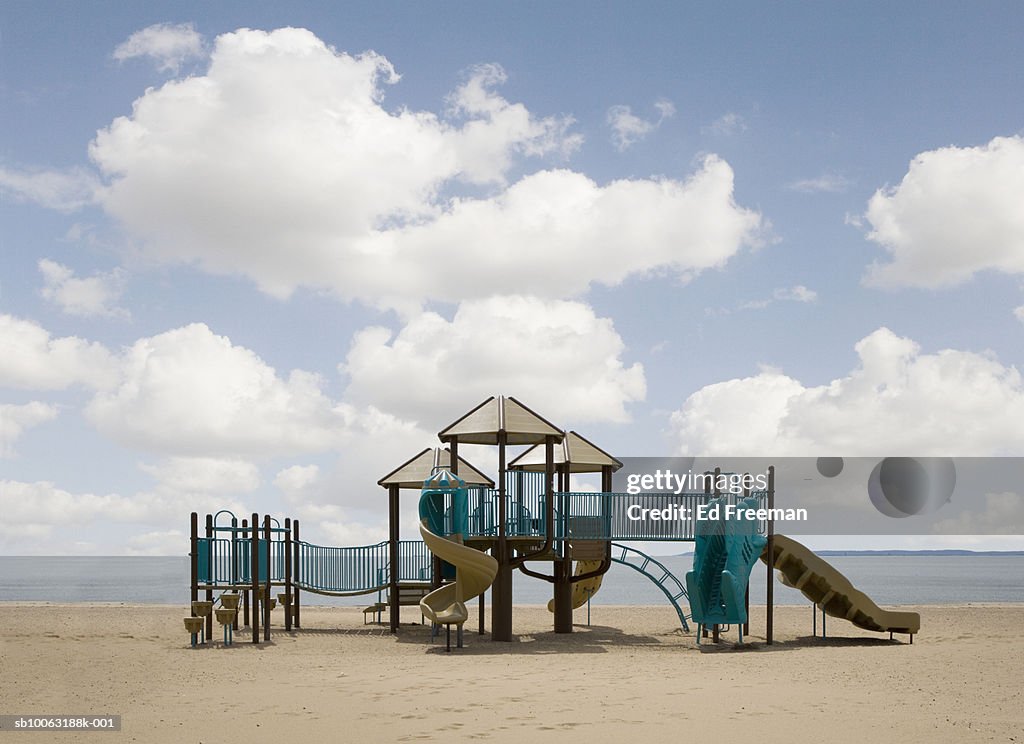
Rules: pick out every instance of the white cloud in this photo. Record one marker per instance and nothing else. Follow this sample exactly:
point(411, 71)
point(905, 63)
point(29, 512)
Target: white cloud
point(628, 128)
point(191, 392)
point(726, 125)
point(42, 504)
point(494, 130)
point(205, 474)
point(295, 481)
point(1001, 514)
point(554, 233)
point(38, 510)
point(829, 183)
point(168, 45)
point(96, 295)
point(15, 419)
point(281, 164)
point(1018, 313)
point(62, 190)
point(956, 212)
point(556, 356)
point(31, 360)
point(796, 293)
point(898, 401)
point(158, 542)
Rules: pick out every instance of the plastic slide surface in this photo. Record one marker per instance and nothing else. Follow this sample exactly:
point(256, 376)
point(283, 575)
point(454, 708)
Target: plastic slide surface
point(821, 583)
point(582, 590)
point(474, 572)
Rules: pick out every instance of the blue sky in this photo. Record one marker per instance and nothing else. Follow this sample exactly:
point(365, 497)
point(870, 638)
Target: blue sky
point(255, 256)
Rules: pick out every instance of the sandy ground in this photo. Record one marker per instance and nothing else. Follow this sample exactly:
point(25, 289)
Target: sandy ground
point(632, 675)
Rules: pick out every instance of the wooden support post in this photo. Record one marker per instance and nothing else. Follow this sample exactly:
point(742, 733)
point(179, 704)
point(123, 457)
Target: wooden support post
point(483, 594)
point(266, 583)
point(254, 575)
point(501, 592)
point(287, 572)
point(298, 572)
point(209, 592)
point(193, 554)
point(394, 567)
point(245, 594)
point(746, 592)
point(563, 565)
point(770, 590)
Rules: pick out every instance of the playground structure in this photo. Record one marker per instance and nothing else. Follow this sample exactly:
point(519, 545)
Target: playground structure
point(476, 531)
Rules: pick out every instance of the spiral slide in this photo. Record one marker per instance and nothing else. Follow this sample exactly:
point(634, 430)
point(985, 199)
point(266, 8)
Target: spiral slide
point(474, 573)
point(582, 590)
point(821, 583)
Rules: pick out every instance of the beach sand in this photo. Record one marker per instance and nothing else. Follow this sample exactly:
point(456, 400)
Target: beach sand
point(632, 675)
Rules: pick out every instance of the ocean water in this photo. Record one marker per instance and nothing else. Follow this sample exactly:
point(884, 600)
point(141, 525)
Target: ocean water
point(889, 580)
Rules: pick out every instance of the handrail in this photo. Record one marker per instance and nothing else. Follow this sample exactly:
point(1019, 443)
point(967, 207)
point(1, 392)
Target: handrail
point(659, 582)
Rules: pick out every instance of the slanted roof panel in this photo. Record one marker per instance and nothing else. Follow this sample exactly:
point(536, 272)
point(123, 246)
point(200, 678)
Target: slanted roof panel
point(483, 424)
point(417, 469)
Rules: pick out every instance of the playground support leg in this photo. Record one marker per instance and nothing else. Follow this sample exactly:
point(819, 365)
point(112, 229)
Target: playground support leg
point(448, 638)
point(254, 574)
point(501, 600)
point(563, 595)
point(298, 572)
point(393, 565)
point(209, 592)
point(288, 572)
point(715, 633)
point(458, 636)
point(194, 561)
point(770, 563)
point(266, 583)
point(482, 595)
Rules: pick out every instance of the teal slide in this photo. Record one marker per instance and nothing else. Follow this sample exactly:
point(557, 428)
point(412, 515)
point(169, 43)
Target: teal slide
point(724, 553)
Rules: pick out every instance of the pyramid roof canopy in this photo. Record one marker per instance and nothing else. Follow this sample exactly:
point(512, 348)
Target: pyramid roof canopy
point(582, 455)
point(483, 424)
point(412, 472)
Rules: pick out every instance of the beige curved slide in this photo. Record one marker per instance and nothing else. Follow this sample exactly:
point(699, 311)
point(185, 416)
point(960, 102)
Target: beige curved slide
point(821, 583)
point(582, 590)
point(474, 572)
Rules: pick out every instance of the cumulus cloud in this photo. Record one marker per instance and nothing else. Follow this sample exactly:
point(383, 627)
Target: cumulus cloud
point(205, 474)
point(43, 505)
point(15, 419)
point(898, 401)
point(158, 542)
point(63, 190)
point(1018, 313)
point(191, 392)
point(30, 359)
point(568, 362)
point(493, 130)
point(628, 128)
point(96, 295)
point(1000, 514)
point(168, 45)
point(956, 212)
point(282, 164)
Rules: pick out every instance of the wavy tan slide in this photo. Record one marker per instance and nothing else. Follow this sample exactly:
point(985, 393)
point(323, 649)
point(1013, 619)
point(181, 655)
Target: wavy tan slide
point(474, 572)
point(821, 583)
point(582, 590)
